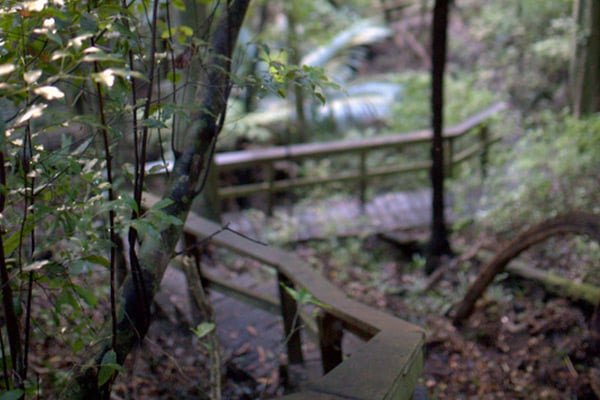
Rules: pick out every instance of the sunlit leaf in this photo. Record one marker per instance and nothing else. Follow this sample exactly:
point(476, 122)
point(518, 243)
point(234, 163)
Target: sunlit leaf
point(35, 111)
point(100, 57)
point(6, 69)
point(32, 76)
point(34, 5)
point(49, 92)
point(34, 266)
point(77, 41)
point(105, 77)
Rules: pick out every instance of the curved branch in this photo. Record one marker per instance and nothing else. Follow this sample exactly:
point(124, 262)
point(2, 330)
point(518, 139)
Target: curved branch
point(577, 222)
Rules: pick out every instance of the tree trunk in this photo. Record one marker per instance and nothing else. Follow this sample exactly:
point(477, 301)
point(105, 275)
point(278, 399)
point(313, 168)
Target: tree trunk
point(585, 63)
point(438, 244)
point(138, 290)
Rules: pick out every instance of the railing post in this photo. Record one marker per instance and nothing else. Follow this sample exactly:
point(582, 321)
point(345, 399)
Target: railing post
point(291, 321)
point(330, 340)
point(363, 180)
point(449, 156)
point(271, 195)
point(484, 153)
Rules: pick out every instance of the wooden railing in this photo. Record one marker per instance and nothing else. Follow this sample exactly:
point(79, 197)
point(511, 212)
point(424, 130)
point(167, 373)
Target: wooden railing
point(386, 367)
point(268, 158)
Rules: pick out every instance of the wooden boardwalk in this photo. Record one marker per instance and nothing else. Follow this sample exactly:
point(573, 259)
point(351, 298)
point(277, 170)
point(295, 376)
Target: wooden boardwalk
point(336, 217)
point(252, 342)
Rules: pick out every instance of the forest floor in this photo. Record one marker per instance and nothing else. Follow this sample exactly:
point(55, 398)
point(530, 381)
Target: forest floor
point(521, 342)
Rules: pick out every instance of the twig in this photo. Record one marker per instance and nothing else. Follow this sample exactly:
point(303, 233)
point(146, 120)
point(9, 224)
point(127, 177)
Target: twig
point(205, 240)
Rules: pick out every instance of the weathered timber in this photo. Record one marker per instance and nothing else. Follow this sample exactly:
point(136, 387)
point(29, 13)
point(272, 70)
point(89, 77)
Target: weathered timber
point(387, 366)
point(575, 222)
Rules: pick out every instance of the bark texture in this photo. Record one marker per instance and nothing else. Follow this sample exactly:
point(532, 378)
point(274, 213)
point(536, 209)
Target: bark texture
point(138, 291)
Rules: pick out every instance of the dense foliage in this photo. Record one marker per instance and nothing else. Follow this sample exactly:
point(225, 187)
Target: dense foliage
point(91, 90)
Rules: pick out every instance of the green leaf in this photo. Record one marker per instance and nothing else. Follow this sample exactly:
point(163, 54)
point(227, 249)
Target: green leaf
point(66, 298)
point(108, 367)
point(303, 296)
point(153, 123)
point(87, 295)
point(96, 259)
point(186, 30)
point(12, 395)
point(13, 241)
point(54, 38)
point(77, 345)
point(131, 203)
point(174, 77)
point(178, 4)
point(320, 97)
point(203, 329)
point(88, 23)
point(162, 203)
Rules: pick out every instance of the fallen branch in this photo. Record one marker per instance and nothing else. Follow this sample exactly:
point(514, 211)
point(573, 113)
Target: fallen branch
point(576, 222)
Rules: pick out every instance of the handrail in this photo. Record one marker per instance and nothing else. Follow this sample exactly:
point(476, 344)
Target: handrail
point(386, 367)
point(245, 158)
point(267, 157)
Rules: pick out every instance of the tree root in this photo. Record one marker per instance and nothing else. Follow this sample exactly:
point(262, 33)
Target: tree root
point(577, 222)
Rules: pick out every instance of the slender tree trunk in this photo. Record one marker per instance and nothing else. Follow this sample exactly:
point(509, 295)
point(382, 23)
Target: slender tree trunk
point(155, 253)
point(585, 62)
point(438, 244)
point(298, 128)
